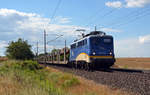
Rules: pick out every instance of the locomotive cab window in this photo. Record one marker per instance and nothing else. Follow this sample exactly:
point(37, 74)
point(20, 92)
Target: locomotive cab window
point(81, 43)
point(107, 40)
point(73, 46)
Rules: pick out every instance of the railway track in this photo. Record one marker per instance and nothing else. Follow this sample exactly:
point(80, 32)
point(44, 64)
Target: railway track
point(136, 81)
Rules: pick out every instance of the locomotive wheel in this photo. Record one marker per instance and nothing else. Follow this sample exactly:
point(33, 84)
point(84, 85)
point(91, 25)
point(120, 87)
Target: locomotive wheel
point(82, 65)
point(91, 67)
point(76, 65)
point(79, 65)
point(87, 66)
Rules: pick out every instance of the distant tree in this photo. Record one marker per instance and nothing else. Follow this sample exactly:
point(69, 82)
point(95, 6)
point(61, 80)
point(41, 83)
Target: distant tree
point(42, 54)
point(54, 50)
point(19, 50)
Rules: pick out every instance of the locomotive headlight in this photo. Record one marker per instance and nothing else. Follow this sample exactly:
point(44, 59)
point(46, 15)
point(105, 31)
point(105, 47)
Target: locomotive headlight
point(110, 53)
point(93, 53)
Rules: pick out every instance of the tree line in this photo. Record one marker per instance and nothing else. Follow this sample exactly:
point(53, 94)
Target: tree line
point(21, 50)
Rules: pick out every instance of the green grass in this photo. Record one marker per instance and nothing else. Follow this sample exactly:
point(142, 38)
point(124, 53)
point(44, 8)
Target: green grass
point(29, 78)
point(70, 82)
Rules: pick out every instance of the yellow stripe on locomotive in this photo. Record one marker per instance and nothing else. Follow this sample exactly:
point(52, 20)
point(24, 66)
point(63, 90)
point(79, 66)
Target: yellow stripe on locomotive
point(85, 57)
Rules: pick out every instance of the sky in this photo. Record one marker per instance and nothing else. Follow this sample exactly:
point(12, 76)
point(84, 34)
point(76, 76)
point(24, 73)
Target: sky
point(128, 21)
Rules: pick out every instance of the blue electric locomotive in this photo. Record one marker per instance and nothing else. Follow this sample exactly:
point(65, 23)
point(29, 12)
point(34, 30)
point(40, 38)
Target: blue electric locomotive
point(95, 49)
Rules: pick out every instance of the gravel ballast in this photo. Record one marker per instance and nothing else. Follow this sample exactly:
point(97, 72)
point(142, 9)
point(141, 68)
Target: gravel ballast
point(131, 81)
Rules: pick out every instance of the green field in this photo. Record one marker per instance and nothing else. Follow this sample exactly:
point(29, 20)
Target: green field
point(29, 78)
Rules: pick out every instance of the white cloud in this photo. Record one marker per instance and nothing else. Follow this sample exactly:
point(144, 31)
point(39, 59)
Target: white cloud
point(110, 30)
point(115, 4)
point(62, 20)
point(136, 3)
point(127, 3)
point(3, 44)
point(144, 39)
point(30, 26)
point(131, 48)
point(9, 12)
point(19, 23)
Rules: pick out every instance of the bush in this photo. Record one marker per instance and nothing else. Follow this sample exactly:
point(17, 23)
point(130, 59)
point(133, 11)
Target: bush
point(19, 50)
point(32, 65)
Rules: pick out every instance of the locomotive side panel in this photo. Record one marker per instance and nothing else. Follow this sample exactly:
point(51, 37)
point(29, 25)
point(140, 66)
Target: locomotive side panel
point(80, 52)
point(96, 51)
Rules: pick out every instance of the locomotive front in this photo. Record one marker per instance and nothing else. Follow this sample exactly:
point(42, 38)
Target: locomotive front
point(101, 50)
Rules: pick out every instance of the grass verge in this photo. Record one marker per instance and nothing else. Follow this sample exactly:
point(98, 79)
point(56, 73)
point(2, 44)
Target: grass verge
point(29, 78)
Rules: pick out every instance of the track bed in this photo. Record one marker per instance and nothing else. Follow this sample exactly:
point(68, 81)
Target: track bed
point(136, 81)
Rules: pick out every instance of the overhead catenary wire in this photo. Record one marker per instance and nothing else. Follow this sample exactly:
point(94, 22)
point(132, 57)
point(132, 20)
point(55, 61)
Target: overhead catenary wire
point(54, 39)
point(103, 16)
point(54, 13)
point(127, 18)
point(117, 19)
point(133, 18)
point(89, 18)
point(95, 14)
point(55, 10)
point(51, 19)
